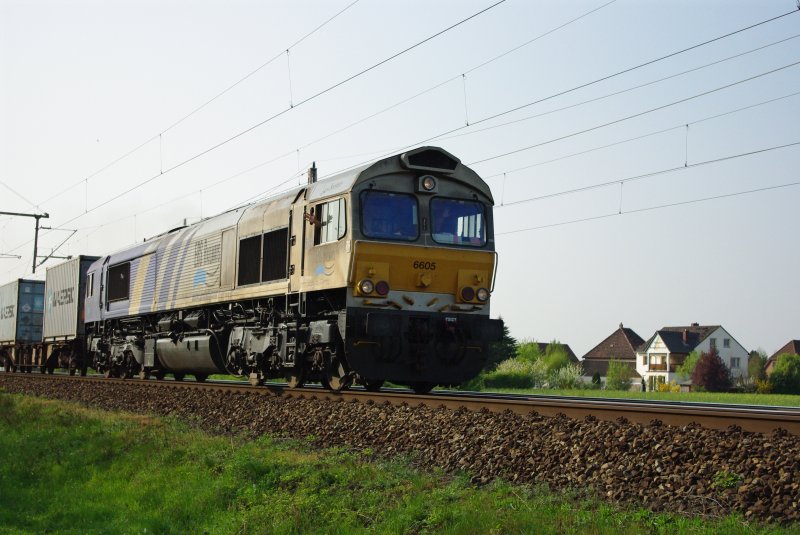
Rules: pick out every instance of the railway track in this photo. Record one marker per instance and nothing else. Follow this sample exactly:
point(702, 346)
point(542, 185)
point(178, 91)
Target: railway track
point(754, 418)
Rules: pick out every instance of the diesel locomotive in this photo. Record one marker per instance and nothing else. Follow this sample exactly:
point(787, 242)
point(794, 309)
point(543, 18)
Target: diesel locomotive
point(381, 273)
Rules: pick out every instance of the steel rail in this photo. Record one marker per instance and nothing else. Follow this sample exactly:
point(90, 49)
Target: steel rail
point(757, 419)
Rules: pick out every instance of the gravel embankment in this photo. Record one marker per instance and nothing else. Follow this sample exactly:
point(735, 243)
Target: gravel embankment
point(686, 469)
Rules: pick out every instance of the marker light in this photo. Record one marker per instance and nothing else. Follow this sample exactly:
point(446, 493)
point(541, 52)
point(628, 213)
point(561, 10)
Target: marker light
point(366, 286)
point(467, 293)
point(483, 295)
point(382, 288)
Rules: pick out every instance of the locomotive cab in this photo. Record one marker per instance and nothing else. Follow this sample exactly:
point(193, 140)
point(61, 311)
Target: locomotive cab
point(422, 272)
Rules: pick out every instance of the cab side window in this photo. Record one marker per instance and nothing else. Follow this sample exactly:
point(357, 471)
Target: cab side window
point(330, 224)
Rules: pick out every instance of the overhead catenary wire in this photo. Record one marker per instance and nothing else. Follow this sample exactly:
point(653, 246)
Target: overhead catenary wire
point(204, 104)
point(695, 46)
point(641, 136)
point(639, 114)
point(683, 167)
point(575, 88)
point(651, 208)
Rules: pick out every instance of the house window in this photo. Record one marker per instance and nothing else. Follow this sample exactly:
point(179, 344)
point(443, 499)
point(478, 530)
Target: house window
point(726, 342)
point(735, 362)
point(713, 342)
point(331, 224)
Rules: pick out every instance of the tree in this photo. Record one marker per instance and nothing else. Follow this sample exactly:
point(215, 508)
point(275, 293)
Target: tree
point(618, 376)
point(755, 365)
point(555, 356)
point(785, 378)
point(711, 373)
point(685, 370)
point(528, 350)
point(505, 349)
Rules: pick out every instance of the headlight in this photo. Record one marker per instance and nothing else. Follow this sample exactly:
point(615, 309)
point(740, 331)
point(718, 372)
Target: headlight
point(366, 286)
point(382, 288)
point(428, 183)
point(467, 293)
point(483, 295)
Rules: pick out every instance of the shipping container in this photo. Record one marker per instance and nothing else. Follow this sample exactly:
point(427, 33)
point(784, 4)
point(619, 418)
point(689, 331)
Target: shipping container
point(64, 296)
point(21, 307)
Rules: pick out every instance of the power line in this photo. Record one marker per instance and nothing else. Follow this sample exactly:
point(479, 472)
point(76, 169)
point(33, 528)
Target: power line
point(651, 174)
point(18, 194)
point(615, 93)
point(204, 104)
point(651, 208)
point(570, 90)
point(643, 136)
point(633, 116)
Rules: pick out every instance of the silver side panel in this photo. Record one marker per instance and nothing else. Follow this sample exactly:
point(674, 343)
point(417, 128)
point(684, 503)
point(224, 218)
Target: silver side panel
point(193, 354)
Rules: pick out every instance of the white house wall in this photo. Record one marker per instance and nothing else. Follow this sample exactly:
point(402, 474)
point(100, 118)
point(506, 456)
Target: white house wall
point(726, 353)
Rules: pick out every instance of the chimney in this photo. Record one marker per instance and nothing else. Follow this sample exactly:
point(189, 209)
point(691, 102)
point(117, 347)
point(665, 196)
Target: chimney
point(685, 336)
point(620, 325)
point(695, 325)
point(312, 173)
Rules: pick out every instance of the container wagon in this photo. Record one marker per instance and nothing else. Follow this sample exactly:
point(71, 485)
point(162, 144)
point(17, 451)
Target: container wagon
point(21, 307)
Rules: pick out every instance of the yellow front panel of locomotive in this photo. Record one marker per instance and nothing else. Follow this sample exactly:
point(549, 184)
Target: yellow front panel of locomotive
point(422, 269)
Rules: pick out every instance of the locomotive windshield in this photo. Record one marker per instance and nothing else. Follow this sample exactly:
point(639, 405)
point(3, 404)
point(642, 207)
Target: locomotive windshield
point(391, 216)
point(458, 222)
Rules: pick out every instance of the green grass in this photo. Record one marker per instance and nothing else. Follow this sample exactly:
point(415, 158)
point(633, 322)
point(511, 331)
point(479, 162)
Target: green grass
point(784, 400)
point(68, 469)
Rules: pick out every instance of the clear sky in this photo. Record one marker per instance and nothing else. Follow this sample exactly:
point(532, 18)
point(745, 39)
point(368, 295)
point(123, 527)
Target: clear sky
point(83, 83)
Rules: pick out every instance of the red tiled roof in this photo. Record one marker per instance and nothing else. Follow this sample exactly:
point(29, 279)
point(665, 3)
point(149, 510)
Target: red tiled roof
point(619, 345)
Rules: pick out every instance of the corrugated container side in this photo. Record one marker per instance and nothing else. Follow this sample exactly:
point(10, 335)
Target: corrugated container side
point(62, 299)
point(30, 311)
point(8, 312)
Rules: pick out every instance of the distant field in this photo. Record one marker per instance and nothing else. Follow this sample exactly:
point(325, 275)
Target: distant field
point(64, 468)
point(783, 400)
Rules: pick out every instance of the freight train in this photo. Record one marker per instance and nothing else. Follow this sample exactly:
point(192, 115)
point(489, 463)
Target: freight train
point(381, 273)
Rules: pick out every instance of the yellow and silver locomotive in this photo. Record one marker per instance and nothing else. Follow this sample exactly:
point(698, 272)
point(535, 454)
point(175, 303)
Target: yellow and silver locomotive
point(380, 273)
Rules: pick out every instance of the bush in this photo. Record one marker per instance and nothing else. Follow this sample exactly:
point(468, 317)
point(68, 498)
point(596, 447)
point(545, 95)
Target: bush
point(511, 373)
point(618, 376)
point(671, 386)
point(567, 377)
point(711, 373)
point(785, 378)
point(763, 386)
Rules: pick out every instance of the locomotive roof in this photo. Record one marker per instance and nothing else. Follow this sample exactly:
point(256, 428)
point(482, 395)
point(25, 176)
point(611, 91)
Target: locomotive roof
point(428, 159)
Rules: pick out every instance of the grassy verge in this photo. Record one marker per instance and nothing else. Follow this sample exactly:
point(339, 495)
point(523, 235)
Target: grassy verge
point(68, 469)
point(783, 400)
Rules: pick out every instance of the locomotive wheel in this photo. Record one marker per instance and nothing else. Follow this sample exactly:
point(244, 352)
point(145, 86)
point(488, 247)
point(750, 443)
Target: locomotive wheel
point(335, 377)
point(373, 385)
point(179, 376)
point(160, 374)
point(255, 380)
point(109, 373)
point(295, 378)
point(72, 371)
point(422, 388)
point(200, 377)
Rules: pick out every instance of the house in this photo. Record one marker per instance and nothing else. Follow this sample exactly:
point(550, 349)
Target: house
point(620, 345)
point(658, 359)
point(792, 348)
